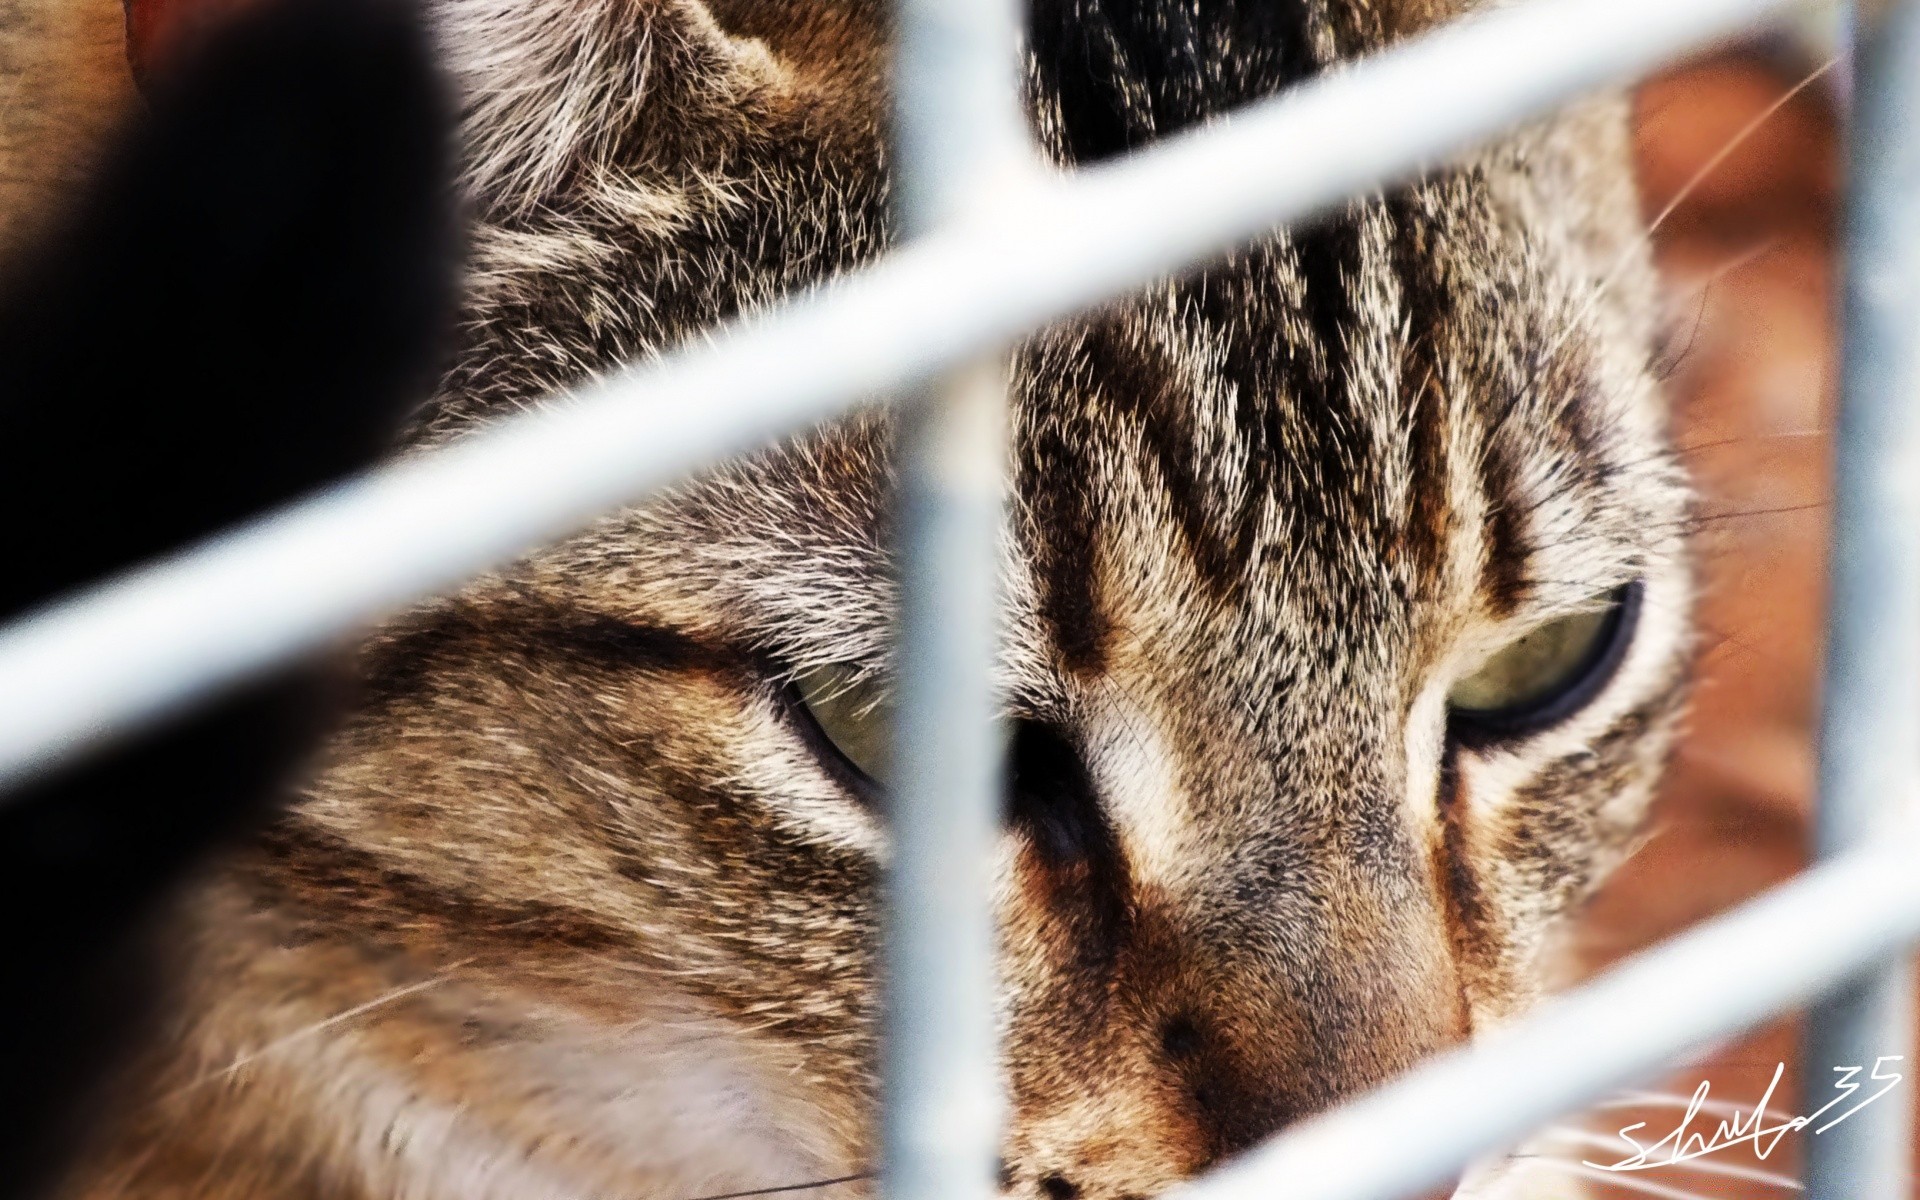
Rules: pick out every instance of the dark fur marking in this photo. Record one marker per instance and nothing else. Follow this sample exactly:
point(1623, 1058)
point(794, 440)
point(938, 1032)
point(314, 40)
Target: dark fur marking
point(1425, 300)
point(1323, 432)
point(1127, 376)
point(316, 871)
point(1053, 803)
point(1180, 1037)
point(1066, 528)
point(1328, 255)
point(1238, 1105)
point(1549, 824)
point(1082, 65)
point(1467, 913)
point(403, 665)
point(1126, 72)
point(1504, 575)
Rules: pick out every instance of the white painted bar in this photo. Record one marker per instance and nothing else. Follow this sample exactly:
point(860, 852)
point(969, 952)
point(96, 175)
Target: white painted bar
point(1870, 710)
point(959, 138)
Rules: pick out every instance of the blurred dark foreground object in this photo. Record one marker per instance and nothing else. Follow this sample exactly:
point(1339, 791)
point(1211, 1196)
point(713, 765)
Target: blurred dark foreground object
point(238, 309)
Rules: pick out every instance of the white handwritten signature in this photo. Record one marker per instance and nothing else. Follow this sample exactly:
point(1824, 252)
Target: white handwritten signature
point(1684, 1143)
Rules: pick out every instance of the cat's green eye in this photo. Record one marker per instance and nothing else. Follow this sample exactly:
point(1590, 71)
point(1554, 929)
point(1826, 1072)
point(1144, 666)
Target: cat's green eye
point(1548, 674)
point(851, 711)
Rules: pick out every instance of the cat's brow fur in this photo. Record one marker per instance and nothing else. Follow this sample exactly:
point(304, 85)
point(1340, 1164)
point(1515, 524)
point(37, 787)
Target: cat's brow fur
point(603, 924)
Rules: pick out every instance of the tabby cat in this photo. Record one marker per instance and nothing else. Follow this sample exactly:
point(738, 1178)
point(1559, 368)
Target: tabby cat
point(1347, 628)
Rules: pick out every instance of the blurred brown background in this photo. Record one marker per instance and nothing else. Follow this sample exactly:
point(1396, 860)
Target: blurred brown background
point(1749, 252)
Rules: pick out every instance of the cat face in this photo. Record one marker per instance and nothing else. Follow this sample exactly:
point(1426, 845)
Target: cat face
point(1287, 809)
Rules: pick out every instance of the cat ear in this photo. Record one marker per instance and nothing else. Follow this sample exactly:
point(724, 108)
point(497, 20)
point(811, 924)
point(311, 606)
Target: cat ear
point(159, 30)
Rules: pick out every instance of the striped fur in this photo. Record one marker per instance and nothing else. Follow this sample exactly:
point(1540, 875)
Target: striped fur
point(573, 910)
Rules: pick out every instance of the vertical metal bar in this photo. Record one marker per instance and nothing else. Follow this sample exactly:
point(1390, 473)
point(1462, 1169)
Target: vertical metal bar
point(959, 134)
point(940, 1077)
point(1870, 720)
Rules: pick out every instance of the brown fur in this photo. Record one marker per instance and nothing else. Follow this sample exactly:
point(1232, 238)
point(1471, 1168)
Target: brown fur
point(63, 82)
point(572, 910)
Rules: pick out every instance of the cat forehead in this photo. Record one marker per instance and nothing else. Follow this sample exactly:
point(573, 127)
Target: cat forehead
point(1414, 406)
point(1413, 381)
point(1358, 387)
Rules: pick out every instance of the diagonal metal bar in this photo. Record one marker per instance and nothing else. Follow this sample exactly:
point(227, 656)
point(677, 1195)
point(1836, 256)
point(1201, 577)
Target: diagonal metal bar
point(1870, 713)
point(133, 650)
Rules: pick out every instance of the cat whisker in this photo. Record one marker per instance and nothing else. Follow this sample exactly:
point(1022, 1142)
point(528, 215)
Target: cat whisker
point(1742, 514)
point(1707, 169)
point(1577, 319)
point(1731, 265)
point(1618, 1179)
point(1130, 713)
point(1697, 522)
point(1667, 364)
point(785, 1188)
point(1720, 639)
point(1670, 360)
point(1748, 439)
point(320, 1026)
point(1740, 138)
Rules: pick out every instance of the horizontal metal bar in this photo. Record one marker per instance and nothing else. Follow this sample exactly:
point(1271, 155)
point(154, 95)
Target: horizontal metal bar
point(1870, 710)
point(129, 652)
point(1631, 1024)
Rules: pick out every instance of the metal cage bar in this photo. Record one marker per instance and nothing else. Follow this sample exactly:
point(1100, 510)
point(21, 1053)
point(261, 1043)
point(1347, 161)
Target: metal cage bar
point(959, 139)
point(1870, 713)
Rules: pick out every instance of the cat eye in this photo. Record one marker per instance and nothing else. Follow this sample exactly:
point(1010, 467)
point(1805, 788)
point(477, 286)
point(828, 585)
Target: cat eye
point(1548, 675)
point(850, 711)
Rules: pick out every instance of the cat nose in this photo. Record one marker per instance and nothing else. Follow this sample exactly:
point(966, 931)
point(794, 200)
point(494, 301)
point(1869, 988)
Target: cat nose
point(1167, 1104)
